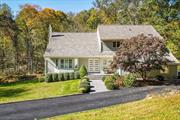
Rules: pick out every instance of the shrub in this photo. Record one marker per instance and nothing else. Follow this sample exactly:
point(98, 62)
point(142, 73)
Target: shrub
point(49, 78)
point(41, 79)
point(84, 86)
point(84, 81)
point(116, 76)
point(82, 71)
point(160, 78)
point(71, 75)
point(86, 78)
point(76, 75)
point(66, 76)
point(109, 79)
point(103, 78)
point(61, 76)
point(110, 86)
point(83, 90)
point(129, 80)
point(109, 82)
point(55, 77)
point(119, 82)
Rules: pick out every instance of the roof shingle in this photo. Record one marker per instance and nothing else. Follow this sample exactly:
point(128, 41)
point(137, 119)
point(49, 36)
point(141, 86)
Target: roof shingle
point(117, 32)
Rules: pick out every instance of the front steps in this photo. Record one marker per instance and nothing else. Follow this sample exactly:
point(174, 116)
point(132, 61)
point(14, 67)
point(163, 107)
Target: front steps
point(95, 77)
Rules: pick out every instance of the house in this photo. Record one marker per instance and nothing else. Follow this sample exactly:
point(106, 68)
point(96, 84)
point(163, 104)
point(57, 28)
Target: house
point(95, 50)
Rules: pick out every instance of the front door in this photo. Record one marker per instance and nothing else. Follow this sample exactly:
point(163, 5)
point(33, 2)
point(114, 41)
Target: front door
point(93, 65)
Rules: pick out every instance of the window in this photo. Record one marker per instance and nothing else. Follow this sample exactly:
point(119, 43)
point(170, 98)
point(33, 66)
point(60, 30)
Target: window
point(70, 63)
point(62, 63)
point(66, 63)
point(56, 62)
point(114, 44)
point(118, 44)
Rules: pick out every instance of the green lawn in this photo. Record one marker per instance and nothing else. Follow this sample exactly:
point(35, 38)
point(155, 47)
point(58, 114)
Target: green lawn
point(32, 89)
point(156, 108)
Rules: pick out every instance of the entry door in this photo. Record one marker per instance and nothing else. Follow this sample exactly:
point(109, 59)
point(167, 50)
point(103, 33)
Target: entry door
point(93, 65)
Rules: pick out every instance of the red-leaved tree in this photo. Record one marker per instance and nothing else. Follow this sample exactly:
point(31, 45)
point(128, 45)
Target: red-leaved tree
point(141, 54)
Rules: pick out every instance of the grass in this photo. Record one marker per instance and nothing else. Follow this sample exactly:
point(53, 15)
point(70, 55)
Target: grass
point(32, 89)
point(156, 108)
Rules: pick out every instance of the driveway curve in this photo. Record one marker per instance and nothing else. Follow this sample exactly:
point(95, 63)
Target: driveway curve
point(29, 110)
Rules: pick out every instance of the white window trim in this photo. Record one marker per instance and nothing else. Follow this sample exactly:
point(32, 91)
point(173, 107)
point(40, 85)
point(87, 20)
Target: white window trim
point(68, 64)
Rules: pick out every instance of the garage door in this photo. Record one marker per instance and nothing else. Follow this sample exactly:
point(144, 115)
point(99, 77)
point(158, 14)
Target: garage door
point(93, 65)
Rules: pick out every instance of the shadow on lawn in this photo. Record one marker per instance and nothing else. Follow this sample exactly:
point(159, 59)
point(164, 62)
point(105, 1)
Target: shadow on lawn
point(19, 83)
point(140, 83)
point(11, 92)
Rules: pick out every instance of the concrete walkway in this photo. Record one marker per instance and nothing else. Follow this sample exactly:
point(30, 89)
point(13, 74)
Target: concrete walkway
point(98, 86)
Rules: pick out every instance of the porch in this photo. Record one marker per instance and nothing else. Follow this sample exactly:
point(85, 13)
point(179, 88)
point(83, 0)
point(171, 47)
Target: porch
point(97, 66)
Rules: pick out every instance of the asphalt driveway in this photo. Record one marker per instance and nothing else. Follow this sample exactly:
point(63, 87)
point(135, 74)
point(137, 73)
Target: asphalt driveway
point(29, 110)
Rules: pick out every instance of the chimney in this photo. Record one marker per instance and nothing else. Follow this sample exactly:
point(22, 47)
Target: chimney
point(50, 31)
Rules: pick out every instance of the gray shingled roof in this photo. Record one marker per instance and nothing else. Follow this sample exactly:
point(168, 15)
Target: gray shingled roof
point(73, 45)
point(115, 32)
point(87, 44)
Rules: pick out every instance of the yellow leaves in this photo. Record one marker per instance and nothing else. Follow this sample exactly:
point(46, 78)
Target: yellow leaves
point(48, 10)
point(29, 23)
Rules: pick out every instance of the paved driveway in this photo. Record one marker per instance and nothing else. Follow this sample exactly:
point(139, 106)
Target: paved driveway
point(29, 110)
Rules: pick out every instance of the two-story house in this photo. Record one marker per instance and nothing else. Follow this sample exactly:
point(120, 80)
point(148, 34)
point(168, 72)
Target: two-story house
point(95, 50)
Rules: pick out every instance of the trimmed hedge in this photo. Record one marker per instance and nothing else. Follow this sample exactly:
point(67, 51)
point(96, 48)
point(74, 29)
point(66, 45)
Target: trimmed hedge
point(66, 76)
point(82, 71)
point(61, 76)
point(109, 82)
point(84, 86)
point(55, 77)
point(49, 78)
point(110, 86)
point(86, 78)
point(76, 75)
point(71, 76)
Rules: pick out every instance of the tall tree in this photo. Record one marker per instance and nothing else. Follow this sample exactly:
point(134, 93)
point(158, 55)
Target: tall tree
point(24, 21)
point(8, 38)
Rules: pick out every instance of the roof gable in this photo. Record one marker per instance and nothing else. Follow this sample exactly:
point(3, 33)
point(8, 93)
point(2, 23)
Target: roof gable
point(72, 45)
point(116, 32)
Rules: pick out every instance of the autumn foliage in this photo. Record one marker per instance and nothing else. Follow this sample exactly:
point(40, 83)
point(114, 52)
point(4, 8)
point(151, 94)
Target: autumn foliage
point(141, 54)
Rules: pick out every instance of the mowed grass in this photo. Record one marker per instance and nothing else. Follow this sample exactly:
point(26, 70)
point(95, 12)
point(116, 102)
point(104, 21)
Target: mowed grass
point(32, 89)
point(157, 108)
